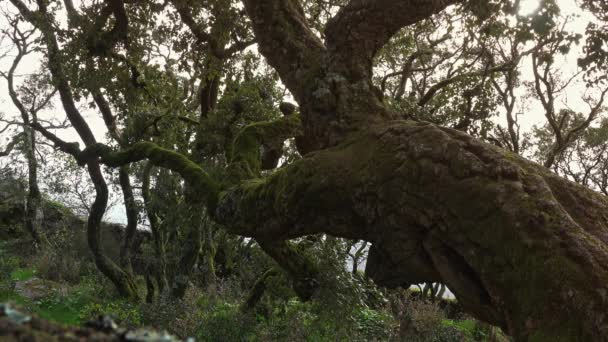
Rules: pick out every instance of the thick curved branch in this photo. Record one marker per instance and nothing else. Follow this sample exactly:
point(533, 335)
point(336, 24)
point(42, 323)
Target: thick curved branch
point(301, 270)
point(506, 225)
point(287, 42)
point(360, 29)
point(246, 161)
point(174, 161)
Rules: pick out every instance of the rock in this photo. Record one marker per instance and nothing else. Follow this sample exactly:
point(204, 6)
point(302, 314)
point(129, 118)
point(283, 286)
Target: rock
point(18, 326)
point(36, 288)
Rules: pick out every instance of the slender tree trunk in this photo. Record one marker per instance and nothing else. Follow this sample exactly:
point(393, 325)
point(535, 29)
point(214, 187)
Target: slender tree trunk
point(122, 280)
point(257, 291)
point(41, 19)
point(158, 232)
point(33, 214)
point(209, 251)
point(301, 271)
point(192, 246)
point(132, 218)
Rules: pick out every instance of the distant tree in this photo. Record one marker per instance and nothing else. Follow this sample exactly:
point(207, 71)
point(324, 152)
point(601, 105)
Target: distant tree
point(29, 99)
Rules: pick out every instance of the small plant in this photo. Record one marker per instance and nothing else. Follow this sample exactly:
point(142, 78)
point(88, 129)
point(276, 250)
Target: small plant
point(22, 274)
point(123, 312)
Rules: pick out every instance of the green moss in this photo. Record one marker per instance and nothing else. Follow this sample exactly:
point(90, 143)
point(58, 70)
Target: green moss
point(162, 157)
point(245, 162)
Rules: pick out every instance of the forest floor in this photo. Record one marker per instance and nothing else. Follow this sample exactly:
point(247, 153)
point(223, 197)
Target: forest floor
point(78, 302)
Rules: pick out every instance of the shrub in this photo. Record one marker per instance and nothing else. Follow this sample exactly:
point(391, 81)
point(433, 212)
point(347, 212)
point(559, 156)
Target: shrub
point(60, 262)
point(225, 322)
point(373, 324)
point(123, 312)
point(420, 320)
point(179, 317)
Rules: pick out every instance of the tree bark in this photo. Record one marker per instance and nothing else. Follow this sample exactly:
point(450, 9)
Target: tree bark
point(515, 243)
point(132, 217)
point(257, 290)
point(301, 271)
point(158, 231)
point(192, 245)
point(520, 247)
point(34, 213)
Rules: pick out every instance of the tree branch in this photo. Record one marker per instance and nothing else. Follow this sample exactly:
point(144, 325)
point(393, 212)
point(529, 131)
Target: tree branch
point(360, 29)
point(286, 41)
point(11, 145)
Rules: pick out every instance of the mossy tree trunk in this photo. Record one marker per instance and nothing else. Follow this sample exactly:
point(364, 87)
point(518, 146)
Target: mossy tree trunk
point(159, 234)
point(191, 245)
point(520, 247)
point(34, 213)
point(302, 272)
point(132, 213)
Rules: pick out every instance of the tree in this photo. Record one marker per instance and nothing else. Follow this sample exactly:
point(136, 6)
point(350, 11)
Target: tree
point(519, 246)
point(29, 104)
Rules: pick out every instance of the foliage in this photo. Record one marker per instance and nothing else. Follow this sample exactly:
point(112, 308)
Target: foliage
point(122, 312)
point(21, 274)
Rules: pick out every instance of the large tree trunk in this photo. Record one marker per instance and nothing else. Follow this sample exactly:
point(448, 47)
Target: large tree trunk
point(520, 247)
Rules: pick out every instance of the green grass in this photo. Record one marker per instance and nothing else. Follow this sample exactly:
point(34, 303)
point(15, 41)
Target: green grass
point(22, 274)
point(64, 310)
point(8, 295)
point(61, 310)
point(466, 326)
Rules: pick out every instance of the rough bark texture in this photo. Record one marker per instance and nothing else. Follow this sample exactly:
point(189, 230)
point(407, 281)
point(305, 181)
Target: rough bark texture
point(519, 246)
point(515, 243)
point(301, 271)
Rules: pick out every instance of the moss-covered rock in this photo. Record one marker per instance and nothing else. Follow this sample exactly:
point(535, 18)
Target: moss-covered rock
point(16, 325)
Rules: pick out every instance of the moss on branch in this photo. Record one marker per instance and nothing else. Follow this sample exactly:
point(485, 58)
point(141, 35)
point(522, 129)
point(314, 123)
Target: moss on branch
point(158, 156)
point(246, 161)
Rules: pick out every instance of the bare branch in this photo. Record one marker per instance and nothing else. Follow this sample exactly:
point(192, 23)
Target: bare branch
point(11, 145)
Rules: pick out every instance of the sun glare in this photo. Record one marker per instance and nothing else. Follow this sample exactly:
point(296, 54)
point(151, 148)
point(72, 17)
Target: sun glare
point(527, 7)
